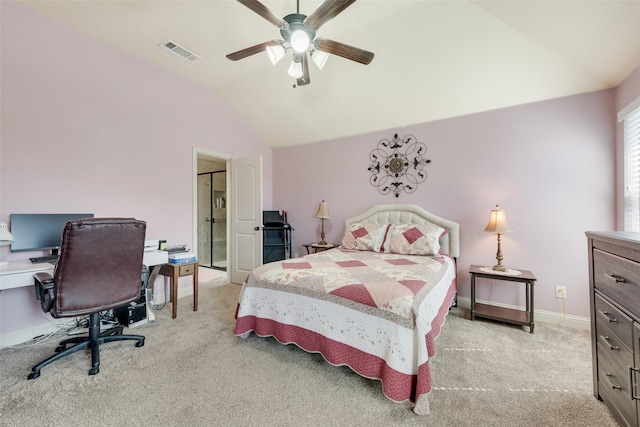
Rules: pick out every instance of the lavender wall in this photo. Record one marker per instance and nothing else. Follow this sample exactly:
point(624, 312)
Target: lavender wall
point(550, 165)
point(86, 127)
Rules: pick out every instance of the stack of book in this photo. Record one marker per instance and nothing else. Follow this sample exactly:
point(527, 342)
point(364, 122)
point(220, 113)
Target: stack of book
point(182, 258)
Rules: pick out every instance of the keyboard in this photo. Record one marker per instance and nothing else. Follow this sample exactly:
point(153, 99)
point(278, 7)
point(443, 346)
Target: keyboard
point(40, 259)
point(176, 248)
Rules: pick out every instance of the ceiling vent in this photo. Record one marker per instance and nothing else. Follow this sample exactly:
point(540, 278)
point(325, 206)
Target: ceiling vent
point(180, 51)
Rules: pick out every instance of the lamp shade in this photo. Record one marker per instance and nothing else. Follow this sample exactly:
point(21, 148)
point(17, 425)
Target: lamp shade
point(323, 211)
point(295, 69)
point(498, 222)
point(319, 58)
point(275, 53)
point(5, 236)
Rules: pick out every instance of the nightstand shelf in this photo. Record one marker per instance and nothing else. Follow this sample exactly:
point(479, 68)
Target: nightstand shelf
point(495, 312)
point(503, 314)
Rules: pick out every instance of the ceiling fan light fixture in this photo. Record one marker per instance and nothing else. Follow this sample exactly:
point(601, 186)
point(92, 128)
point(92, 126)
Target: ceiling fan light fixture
point(275, 53)
point(298, 33)
point(295, 69)
point(300, 41)
point(320, 58)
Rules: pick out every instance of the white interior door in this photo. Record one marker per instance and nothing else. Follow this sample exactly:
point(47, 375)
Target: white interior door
point(246, 216)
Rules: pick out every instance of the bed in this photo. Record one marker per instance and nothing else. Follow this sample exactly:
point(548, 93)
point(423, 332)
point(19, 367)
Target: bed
point(375, 304)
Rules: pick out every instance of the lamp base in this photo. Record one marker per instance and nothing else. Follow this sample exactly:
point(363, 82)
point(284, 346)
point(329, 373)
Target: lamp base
point(322, 242)
point(499, 267)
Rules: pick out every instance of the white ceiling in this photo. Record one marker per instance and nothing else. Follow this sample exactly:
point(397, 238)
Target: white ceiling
point(433, 59)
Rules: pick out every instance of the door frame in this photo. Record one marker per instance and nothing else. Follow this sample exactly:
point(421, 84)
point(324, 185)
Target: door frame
point(218, 156)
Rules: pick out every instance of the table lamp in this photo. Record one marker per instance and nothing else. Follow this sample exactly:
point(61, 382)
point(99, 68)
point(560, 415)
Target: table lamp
point(323, 213)
point(5, 239)
point(498, 225)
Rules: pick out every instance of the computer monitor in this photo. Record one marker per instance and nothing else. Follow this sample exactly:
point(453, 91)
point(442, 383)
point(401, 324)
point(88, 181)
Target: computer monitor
point(40, 232)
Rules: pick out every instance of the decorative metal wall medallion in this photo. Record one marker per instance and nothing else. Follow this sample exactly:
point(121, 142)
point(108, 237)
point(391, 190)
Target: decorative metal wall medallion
point(398, 165)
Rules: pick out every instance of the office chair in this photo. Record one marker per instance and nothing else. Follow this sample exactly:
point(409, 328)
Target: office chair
point(99, 268)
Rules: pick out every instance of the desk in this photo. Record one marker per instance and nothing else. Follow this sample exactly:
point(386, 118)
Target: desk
point(175, 271)
point(18, 274)
point(509, 315)
point(21, 317)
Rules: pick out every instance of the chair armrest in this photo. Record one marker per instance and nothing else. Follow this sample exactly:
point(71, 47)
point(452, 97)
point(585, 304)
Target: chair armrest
point(44, 285)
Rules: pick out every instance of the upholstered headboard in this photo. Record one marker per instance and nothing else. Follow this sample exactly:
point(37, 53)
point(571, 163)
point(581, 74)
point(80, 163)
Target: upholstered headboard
point(412, 214)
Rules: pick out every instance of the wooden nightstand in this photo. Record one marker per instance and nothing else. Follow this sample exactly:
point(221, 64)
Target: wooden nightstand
point(509, 315)
point(317, 247)
point(175, 271)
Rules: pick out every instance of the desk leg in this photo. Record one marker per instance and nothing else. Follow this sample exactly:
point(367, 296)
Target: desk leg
point(195, 287)
point(174, 291)
point(531, 324)
point(473, 297)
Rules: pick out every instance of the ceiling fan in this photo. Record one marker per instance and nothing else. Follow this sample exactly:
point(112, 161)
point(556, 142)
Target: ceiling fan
point(299, 34)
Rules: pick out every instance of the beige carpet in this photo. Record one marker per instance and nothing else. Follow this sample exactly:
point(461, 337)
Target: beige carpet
point(194, 371)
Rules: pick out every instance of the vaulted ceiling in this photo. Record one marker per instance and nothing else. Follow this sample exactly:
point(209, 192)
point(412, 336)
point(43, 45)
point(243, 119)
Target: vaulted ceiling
point(433, 59)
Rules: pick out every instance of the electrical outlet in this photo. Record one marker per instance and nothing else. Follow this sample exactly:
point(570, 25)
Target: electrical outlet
point(561, 291)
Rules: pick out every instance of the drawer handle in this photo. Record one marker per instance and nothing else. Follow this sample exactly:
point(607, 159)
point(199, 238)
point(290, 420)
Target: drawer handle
point(606, 339)
point(606, 314)
point(614, 278)
point(632, 383)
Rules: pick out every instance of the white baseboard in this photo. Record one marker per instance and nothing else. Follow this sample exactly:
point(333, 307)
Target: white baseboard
point(160, 289)
point(159, 294)
point(20, 336)
point(539, 316)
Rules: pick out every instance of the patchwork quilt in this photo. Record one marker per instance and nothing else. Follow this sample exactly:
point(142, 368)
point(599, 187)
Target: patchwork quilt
point(386, 285)
point(378, 313)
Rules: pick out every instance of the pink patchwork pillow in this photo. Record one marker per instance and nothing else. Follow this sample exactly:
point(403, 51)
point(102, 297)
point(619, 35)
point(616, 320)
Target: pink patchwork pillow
point(412, 239)
point(364, 237)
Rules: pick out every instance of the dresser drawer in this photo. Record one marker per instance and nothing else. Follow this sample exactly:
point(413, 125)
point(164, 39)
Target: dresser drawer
point(618, 278)
point(615, 320)
point(614, 346)
point(613, 386)
point(615, 350)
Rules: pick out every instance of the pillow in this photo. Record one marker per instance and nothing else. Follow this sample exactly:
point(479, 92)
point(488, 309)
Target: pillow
point(364, 237)
point(414, 239)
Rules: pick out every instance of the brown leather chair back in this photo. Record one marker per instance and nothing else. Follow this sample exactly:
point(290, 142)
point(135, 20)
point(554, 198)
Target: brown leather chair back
point(100, 265)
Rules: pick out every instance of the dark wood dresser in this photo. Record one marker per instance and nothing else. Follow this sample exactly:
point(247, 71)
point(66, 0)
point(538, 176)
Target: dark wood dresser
point(614, 279)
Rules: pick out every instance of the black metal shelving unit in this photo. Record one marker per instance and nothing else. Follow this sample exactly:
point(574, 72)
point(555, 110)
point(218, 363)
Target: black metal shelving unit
point(277, 236)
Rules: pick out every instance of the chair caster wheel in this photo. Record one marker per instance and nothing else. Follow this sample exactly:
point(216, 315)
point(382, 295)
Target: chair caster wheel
point(140, 343)
point(60, 348)
point(34, 375)
point(94, 371)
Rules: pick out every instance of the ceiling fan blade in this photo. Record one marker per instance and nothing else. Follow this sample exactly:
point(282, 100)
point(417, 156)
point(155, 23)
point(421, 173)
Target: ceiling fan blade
point(329, 9)
point(346, 51)
point(263, 11)
point(241, 54)
point(304, 80)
